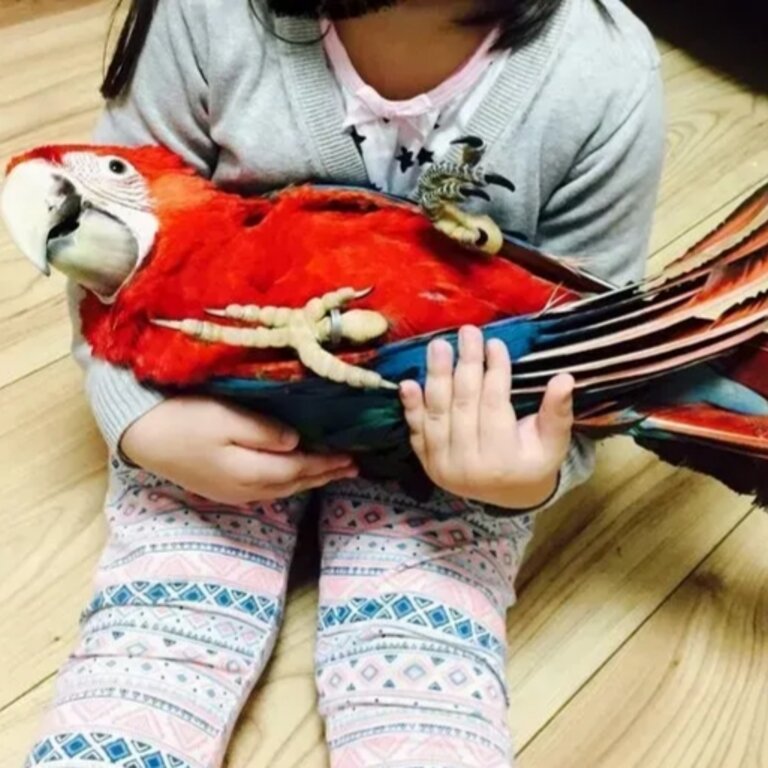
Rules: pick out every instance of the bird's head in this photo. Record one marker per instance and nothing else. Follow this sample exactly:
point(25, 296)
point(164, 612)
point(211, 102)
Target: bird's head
point(91, 212)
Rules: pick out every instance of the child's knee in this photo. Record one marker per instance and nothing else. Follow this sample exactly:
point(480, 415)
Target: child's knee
point(413, 703)
point(380, 679)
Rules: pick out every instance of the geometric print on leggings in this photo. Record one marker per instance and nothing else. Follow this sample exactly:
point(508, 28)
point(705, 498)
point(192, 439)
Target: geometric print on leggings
point(136, 593)
point(413, 610)
point(185, 612)
point(103, 748)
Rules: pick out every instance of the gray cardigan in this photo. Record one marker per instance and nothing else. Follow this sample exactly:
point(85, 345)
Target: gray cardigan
point(575, 121)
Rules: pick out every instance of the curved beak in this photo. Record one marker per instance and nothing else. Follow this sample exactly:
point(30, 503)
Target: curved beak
point(54, 225)
point(37, 199)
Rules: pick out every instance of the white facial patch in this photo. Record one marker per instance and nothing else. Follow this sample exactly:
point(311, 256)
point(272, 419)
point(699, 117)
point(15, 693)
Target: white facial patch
point(113, 185)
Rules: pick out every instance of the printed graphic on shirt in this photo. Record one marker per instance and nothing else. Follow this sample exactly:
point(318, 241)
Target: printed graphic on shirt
point(425, 156)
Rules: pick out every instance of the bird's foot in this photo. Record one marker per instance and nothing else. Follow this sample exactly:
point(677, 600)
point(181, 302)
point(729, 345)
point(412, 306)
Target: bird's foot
point(445, 185)
point(304, 330)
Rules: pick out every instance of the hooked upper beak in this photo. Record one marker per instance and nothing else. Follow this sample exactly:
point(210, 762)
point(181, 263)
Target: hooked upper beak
point(37, 202)
point(54, 225)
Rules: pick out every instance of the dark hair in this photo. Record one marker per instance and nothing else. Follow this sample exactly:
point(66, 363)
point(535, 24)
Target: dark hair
point(520, 21)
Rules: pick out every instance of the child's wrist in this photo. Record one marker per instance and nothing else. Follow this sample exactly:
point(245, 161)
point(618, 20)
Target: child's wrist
point(525, 496)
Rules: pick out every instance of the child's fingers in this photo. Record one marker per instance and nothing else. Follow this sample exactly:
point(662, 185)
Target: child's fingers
point(309, 483)
point(497, 416)
point(438, 394)
point(257, 469)
point(555, 417)
point(497, 384)
point(467, 390)
point(413, 408)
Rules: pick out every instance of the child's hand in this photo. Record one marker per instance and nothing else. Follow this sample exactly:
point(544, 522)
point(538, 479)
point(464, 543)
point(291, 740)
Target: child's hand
point(226, 454)
point(465, 432)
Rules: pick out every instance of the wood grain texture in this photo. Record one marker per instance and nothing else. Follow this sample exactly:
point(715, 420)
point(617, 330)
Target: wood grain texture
point(14, 12)
point(717, 145)
point(50, 67)
point(650, 526)
point(690, 690)
point(51, 475)
point(609, 593)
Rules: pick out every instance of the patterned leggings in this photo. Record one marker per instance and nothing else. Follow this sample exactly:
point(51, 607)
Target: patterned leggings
point(188, 603)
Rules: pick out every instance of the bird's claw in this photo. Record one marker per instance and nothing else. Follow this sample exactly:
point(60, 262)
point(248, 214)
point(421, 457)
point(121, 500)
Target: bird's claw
point(443, 186)
point(497, 180)
point(304, 330)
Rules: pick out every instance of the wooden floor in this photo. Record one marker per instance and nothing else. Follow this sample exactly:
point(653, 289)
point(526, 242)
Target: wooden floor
point(641, 634)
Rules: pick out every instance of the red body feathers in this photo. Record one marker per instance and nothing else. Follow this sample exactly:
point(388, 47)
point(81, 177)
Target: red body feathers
point(214, 249)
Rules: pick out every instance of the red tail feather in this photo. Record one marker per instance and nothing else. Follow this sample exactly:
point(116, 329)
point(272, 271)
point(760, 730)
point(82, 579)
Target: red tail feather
point(742, 433)
point(751, 215)
point(750, 365)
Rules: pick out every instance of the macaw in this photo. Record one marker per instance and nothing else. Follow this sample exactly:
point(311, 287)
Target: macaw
point(312, 303)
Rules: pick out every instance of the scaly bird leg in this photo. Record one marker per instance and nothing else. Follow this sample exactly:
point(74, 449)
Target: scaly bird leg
point(275, 317)
point(302, 329)
point(444, 185)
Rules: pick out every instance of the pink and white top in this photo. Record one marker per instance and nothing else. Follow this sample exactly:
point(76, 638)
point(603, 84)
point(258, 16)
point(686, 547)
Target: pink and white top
point(398, 138)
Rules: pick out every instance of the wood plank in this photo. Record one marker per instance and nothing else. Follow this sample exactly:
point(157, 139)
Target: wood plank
point(651, 526)
point(14, 12)
point(48, 90)
point(50, 103)
point(701, 229)
point(51, 473)
point(717, 147)
point(34, 337)
point(690, 689)
point(20, 723)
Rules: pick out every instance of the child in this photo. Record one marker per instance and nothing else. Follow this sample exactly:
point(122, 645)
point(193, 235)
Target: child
point(204, 499)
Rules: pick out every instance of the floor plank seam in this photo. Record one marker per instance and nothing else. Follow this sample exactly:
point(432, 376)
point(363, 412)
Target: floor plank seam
point(7, 139)
point(30, 373)
point(567, 702)
point(24, 694)
point(725, 208)
point(53, 301)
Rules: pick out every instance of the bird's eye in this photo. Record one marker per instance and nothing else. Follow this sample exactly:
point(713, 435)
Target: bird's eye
point(118, 167)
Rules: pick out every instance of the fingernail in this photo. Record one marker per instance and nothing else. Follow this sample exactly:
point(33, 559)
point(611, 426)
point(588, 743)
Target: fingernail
point(439, 353)
point(289, 437)
point(348, 474)
point(496, 344)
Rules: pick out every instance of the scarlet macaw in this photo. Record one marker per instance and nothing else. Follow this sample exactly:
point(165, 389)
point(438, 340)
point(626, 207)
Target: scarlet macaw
point(194, 288)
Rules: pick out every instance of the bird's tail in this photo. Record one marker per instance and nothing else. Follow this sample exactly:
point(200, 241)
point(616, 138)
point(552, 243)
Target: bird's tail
point(680, 362)
point(707, 304)
point(712, 419)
